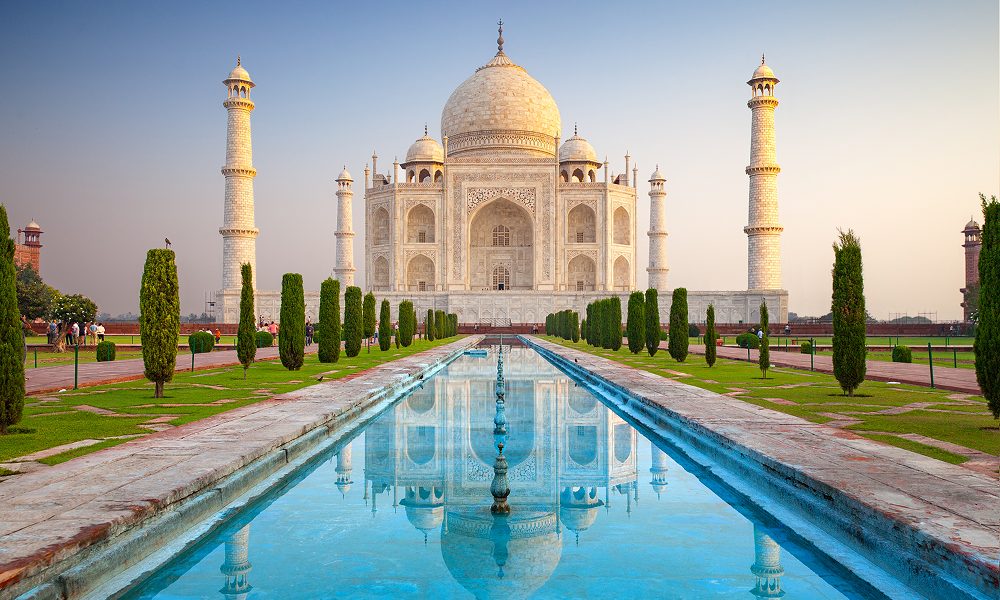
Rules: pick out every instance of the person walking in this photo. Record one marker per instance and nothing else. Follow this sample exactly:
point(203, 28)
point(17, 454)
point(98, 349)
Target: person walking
point(100, 331)
point(75, 334)
point(309, 333)
point(273, 330)
point(218, 335)
point(92, 332)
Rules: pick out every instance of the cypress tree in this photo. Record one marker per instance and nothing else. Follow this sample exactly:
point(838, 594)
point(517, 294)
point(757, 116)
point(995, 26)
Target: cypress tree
point(353, 329)
point(710, 349)
point(615, 322)
point(368, 318)
point(429, 326)
point(11, 335)
point(574, 323)
point(405, 323)
point(246, 334)
point(292, 337)
point(439, 329)
point(636, 326)
point(453, 322)
point(652, 309)
point(591, 329)
point(159, 317)
point(987, 344)
point(848, 308)
point(678, 339)
point(384, 326)
point(583, 330)
point(601, 310)
point(329, 321)
point(764, 354)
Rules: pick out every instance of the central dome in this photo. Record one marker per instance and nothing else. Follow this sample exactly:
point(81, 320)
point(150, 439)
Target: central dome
point(501, 108)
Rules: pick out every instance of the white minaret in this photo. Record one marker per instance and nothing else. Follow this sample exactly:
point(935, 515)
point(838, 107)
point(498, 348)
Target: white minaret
point(763, 230)
point(239, 234)
point(657, 268)
point(344, 271)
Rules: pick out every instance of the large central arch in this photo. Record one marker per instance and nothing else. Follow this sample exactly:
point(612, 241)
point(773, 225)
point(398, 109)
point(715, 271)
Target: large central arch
point(501, 237)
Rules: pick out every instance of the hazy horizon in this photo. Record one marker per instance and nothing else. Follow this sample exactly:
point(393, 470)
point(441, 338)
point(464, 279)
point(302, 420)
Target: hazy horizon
point(888, 124)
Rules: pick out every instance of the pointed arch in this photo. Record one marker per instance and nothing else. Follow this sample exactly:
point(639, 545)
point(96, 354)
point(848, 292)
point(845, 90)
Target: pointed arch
point(420, 274)
point(622, 226)
point(582, 273)
point(622, 274)
point(380, 227)
point(420, 224)
point(581, 225)
point(380, 273)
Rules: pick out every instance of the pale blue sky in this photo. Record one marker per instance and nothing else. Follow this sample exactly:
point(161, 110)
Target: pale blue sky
point(112, 131)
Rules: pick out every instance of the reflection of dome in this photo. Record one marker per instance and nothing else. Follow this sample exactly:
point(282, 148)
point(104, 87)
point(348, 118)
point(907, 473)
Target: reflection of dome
point(509, 564)
point(421, 401)
point(577, 149)
point(578, 508)
point(582, 404)
point(425, 149)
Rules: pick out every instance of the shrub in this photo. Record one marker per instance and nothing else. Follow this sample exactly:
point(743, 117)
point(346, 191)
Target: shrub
point(11, 333)
point(264, 339)
point(693, 331)
point(106, 351)
point(849, 316)
point(901, 354)
point(678, 345)
point(407, 320)
point(200, 342)
point(292, 337)
point(652, 310)
point(159, 317)
point(748, 340)
point(246, 341)
point(635, 327)
point(710, 350)
point(384, 326)
point(353, 327)
point(806, 348)
point(328, 329)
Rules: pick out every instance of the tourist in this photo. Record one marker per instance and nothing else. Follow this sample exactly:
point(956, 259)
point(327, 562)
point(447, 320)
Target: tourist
point(92, 332)
point(309, 333)
point(100, 331)
point(53, 332)
point(75, 334)
point(218, 335)
point(273, 330)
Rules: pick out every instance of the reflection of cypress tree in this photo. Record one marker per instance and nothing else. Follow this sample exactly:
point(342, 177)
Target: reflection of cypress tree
point(987, 344)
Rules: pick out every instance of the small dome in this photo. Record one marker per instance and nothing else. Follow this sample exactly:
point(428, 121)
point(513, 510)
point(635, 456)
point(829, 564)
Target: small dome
point(239, 73)
point(344, 175)
point(657, 176)
point(34, 225)
point(970, 225)
point(425, 149)
point(763, 72)
point(577, 149)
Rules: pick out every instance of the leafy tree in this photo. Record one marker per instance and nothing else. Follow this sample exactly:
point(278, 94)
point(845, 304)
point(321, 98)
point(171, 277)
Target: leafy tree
point(678, 339)
point(652, 309)
point(353, 328)
point(159, 317)
point(407, 320)
point(429, 326)
point(710, 349)
point(69, 309)
point(11, 333)
point(329, 321)
point(614, 323)
point(246, 334)
point(34, 297)
point(384, 326)
point(848, 308)
point(764, 354)
point(987, 344)
point(636, 326)
point(292, 337)
point(369, 318)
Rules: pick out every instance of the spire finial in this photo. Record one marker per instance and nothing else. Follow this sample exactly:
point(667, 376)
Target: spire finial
point(500, 37)
point(425, 129)
point(574, 127)
point(237, 60)
point(761, 58)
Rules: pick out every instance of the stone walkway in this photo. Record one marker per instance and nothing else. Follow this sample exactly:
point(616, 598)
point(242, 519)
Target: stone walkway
point(945, 378)
point(879, 498)
point(50, 518)
point(52, 379)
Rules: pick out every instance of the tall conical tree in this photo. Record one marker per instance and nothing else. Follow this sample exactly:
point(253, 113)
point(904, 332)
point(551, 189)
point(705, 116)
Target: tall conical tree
point(11, 336)
point(710, 349)
point(353, 328)
point(615, 322)
point(246, 334)
point(384, 326)
point(368, 318)
point(848, 307)
point(292, 337)
point(764, 353)
point(429, 326)
point(159, 317)
point(329, 321)
point(635, 328)
point(987, 344)
point(652, 309)
point(406, 322)
point(678, 338)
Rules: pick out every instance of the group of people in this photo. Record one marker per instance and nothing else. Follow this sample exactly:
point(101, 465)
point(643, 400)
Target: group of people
point(77, 334)
point(270, 327)
point(217, 333)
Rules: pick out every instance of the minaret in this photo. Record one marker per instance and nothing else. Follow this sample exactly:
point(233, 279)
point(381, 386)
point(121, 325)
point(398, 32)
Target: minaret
point(763, 230)
point(239, 234)
point(973, 244)
point(237, 565)
point(344, 270)
point(657, 232)
point(766, 566)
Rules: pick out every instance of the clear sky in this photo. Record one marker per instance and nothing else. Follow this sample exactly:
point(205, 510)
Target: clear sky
point(112, 130)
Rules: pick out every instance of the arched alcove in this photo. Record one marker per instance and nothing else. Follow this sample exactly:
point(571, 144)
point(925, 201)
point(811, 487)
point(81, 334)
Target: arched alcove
point(582, 273)
point(623, 275)
point(581, 225)
point(380, 273)
point(380, 227)
point(501, 234)
point(622, 226)
point(420, 274)
point(420, 224)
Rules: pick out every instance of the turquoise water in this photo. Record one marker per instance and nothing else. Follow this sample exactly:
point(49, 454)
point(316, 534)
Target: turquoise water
point(597, 510)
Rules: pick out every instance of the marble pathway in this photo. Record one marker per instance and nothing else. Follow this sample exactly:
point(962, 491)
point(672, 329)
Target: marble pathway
point(940, 510)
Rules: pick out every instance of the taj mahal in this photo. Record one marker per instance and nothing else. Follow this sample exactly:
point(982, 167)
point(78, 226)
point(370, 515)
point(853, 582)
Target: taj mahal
point(502, 220)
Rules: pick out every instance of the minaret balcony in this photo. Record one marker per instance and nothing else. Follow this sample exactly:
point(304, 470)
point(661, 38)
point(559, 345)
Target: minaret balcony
point(239, 171)
point(763, 170)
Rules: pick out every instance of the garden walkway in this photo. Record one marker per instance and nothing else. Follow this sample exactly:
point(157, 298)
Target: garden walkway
point(52, 379)
point(945, 378)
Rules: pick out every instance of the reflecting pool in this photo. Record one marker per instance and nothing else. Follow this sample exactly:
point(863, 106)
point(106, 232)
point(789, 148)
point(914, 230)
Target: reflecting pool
point(597, 510)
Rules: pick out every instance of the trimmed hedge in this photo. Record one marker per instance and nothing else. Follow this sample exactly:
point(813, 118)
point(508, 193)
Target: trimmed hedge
point(384, 326)
point(806, 348)
point(429, 326)
point(693, 330)
point(652, 309)
point(902, 354)
point(292, 336)
point(246, 340)
point(748, 340)
point(200, 342)
point(678, 344)
point(264, 339)
point(407, 323)
point(106, 351)
point(328, 329)
point(635, 327)
point(353, 327)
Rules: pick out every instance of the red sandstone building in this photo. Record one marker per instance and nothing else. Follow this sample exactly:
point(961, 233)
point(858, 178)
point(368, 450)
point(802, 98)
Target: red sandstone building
point(973, 244)
point(28, 249)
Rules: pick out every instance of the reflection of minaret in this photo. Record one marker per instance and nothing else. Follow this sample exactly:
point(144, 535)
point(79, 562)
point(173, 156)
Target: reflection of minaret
point(766, 566)
point(237, 565)
point(659, 470)
point(424, 507)
point(578, 508)
point(344, 470)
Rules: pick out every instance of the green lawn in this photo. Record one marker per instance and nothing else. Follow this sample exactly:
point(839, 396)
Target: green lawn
point(962, 360)
point(131, 339)
point(956, 418)
point(52, 420)
point(87, 355)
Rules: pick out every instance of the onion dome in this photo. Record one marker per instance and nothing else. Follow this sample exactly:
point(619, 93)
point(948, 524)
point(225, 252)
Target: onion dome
point(577, 149)
point(657, 176)
point(239, 74)
point(344, 175)
point(425, 149)
point(970, 225)
point(34, 225)
point(763, 72)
